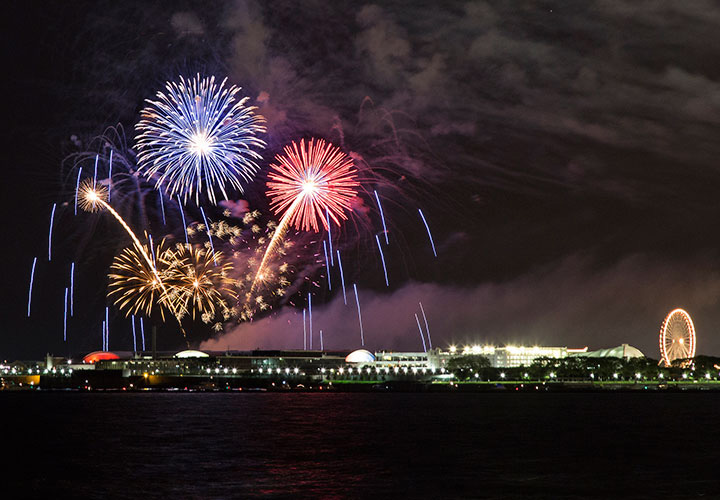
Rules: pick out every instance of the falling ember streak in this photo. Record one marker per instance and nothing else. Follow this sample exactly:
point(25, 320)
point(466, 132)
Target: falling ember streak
point(322, 346)
point(304, 333)
point(310, 317)
point(162, 207)
point(72, 288)
point(133, 332)
point(77, 188)
point(382, 258)
point(327, 216)
point(110, 175)
point(427, 328)
point(327, 267)
point(32, 276)
point(421, 332)
point(428, 232)
point(182, 214)
point(65, 316)
point(95, 174)
point(342, 276)
point(207, 227)
point(52, 220)
point(152, 248)
point(142, 333)
point(357, 300)
point(382, 217)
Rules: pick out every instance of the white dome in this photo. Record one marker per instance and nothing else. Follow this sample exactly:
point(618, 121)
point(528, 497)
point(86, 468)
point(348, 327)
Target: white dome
point(360, 356)
point(622, 351)
point(191, 353)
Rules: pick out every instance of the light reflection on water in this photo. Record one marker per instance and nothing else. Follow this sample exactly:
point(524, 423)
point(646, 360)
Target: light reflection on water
point(270, 445)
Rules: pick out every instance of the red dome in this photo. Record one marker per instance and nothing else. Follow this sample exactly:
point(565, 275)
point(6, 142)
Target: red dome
point(99, 356)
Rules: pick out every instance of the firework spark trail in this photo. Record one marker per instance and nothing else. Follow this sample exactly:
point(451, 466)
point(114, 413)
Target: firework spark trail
point(327, 217)
point(162, 207)
point(278, 235)
point(304, 332)
point(382, 258)
point(52, 220)
point(90, 198)
point(107, 328)
point(32, 276)
point(342, 276)
point(322, 346)
point(103, 336)
point(207, 227)
point(142, 333)
point(421, 332)
point(133, 332)
point(357, 300)
point(427, 328)
point(428, 232)
point(110, 176)
point(327, 267)
point(77, 188)
point(310, 317)
point(197, 138)
point(182, 214)
point(72, 288)
point(382, 217)
point(65, 316)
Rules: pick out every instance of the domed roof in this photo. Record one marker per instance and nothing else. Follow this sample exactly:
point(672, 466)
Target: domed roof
point(360, 356)
point(191, 353)
point(622, 351)
point(99, 356)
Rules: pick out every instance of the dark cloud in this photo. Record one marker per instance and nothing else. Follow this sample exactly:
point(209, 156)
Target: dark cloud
point(186, 24)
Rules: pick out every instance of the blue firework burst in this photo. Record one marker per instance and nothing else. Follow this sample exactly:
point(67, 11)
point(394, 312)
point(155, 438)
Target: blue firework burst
point(199, 138)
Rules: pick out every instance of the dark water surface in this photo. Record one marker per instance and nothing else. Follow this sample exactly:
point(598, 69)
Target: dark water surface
point(309, 445)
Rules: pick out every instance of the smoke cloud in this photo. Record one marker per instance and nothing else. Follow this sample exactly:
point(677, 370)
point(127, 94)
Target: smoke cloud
point(573, 302)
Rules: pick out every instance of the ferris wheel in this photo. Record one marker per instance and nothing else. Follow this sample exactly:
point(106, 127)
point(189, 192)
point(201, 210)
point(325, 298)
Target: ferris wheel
point(677, 337)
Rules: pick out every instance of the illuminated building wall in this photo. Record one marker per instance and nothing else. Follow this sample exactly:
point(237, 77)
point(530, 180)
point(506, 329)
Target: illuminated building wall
point(512, 356)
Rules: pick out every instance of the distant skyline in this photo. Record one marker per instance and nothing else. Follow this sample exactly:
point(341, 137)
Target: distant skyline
point(565, 157)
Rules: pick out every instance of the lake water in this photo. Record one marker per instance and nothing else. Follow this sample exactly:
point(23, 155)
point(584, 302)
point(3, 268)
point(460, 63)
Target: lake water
point(345, 445)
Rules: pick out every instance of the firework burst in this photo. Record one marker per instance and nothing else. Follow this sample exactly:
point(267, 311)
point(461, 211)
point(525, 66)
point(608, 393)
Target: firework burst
point(92, 197)
point(198, 138)
point(137, 286)
point(310, 181)
point(200, 281)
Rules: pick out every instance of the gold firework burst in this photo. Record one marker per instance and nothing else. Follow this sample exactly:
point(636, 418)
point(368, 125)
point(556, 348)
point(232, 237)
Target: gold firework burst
point(136, 287)
point(200, 281)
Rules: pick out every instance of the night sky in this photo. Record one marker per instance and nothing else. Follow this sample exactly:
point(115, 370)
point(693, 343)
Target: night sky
point(566, 155)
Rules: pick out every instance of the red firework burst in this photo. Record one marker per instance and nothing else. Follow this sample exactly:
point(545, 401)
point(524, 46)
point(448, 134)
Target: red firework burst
point(307, 183)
